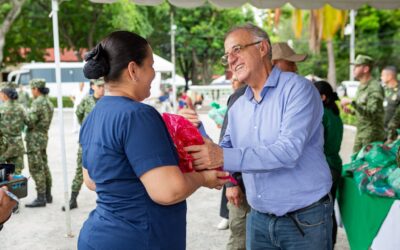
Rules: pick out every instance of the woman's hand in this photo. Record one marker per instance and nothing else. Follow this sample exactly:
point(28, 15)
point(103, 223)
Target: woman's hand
point(214, 178)
point(190, 115)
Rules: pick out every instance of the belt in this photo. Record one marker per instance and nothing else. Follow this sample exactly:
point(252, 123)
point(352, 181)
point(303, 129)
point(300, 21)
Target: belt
point(291, 214)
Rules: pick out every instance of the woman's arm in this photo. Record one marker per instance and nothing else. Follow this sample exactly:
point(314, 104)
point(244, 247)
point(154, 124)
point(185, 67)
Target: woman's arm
point(88, 182)
point(167, 185)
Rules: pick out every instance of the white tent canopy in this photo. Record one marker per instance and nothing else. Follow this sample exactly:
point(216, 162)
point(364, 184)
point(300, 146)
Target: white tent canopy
point(272, 4)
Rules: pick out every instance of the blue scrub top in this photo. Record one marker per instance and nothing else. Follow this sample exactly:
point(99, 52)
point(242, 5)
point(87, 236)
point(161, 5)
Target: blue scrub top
point(121, 140)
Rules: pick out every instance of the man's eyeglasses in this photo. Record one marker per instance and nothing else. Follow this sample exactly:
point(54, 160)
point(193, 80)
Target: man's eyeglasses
point(235, 51)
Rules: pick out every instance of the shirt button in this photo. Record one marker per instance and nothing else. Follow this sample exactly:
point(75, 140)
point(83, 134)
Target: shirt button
point(259, 196)
point(255, 127)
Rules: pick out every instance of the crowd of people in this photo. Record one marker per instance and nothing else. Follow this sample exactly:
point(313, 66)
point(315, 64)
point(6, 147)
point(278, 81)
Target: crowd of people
point(280, 140)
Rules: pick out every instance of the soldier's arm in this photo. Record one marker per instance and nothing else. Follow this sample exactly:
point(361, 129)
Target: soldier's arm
point(32, 115)
point(374, 105)
point(80, 111)
point(393, 125)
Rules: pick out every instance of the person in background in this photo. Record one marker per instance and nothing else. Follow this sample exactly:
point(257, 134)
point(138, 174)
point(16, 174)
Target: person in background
point(391, 101)
point(84, 108)
point(184, 100)
point(39, 118)
point(23, 97)
point(129, 158)
point(274, 137)
point(76, 99)
point(285, 58)
point(367, 105)
point(333, 135)
point(12, 121)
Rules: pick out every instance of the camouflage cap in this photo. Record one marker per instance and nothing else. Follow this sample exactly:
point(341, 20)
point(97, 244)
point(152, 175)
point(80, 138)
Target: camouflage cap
point(37, 83)
point(8, 85)
point(363, 60)
point(99, 81)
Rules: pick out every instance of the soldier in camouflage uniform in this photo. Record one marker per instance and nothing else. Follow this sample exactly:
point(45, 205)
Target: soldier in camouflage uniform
point(23, 97)
point(391, 103)
point(84, 108)
point(367, 105)
point(39, 119)
point(12, 122)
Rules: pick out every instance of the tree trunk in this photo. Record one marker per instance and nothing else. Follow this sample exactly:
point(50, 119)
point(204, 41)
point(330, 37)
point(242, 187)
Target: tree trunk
point(7, 22)
point(331, 64)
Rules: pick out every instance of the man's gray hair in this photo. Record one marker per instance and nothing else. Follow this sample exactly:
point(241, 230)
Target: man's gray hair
point(392, 69)
point(258, 34)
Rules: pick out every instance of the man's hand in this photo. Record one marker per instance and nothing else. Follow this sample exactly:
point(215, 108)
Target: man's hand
point(206, 156)
point(345, 102)
point(190, 115)
point(213, 178)
point(6, 205)
point(234, 195)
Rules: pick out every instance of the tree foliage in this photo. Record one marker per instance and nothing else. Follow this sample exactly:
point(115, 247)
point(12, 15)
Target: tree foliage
point(81, 25)
point(199, 37)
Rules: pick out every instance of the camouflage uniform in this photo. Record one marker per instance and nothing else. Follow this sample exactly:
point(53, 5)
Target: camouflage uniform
point(39, 119)
point(84, 108)
point(393, 125)
point(391, 102)
point(368, 106)
point(24, 99)
point(13, 119)
point(82, 111)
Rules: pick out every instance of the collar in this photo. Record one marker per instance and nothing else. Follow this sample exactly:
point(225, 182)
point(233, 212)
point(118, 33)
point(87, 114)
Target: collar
point(270, 82)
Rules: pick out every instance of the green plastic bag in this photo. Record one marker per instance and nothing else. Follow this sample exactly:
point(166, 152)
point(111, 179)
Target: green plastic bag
point(394, 181)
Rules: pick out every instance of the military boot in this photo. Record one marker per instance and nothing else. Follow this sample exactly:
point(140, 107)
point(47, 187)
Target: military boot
point(49, 197)
point(72, 202)
point(40, 201)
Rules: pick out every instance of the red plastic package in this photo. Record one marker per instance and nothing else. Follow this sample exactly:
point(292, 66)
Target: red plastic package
point(184, 134)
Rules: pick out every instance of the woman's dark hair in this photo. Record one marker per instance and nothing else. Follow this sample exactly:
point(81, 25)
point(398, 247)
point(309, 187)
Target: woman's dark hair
point(325, 88)
point(44, 90)
point(113, 54)
point(10, 93)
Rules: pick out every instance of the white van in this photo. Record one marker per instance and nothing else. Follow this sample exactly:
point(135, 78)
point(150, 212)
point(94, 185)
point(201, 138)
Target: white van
point(71, 76)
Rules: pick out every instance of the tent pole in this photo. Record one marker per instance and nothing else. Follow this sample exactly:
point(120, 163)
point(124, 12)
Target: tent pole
point(352, 42)
point(173, 29)
point(54, 13)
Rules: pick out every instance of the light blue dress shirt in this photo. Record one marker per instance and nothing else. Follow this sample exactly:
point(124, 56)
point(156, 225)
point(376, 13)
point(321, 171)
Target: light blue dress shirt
point(277, 144)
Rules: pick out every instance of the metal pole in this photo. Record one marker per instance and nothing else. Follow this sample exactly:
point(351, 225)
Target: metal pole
point(54, 13)
point(173, 29)
point(352, 42)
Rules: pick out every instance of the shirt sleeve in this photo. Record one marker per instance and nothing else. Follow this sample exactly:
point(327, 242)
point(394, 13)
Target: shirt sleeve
point(374, 104)
point(302, 117)
point(394, 123)
point(147, 143)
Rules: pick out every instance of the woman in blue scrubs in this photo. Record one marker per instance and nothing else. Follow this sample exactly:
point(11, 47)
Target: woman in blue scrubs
point(129, 158)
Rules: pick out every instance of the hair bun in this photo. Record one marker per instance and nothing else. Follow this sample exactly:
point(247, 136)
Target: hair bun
point(96, 63)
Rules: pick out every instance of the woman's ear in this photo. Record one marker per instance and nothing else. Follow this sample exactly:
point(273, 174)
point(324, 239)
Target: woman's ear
point(132, 70)
point(323, 97)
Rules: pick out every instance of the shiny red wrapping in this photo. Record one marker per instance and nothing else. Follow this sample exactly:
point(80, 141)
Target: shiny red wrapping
point(184, 134)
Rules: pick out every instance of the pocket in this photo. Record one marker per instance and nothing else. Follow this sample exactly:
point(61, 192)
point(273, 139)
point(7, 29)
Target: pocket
point(311, 217)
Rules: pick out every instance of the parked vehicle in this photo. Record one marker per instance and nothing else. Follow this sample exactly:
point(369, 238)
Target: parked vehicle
point(71, 76)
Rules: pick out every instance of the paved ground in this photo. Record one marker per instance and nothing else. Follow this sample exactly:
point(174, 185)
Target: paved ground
point(45, 228)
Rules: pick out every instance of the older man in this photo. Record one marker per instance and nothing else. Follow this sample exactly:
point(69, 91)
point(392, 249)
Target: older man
point(275, 138)
point(285, 58)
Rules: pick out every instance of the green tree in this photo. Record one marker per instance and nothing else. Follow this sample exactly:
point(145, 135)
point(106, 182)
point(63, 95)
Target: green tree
point(199, 37)
point(81, 26)
point(9, 11)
